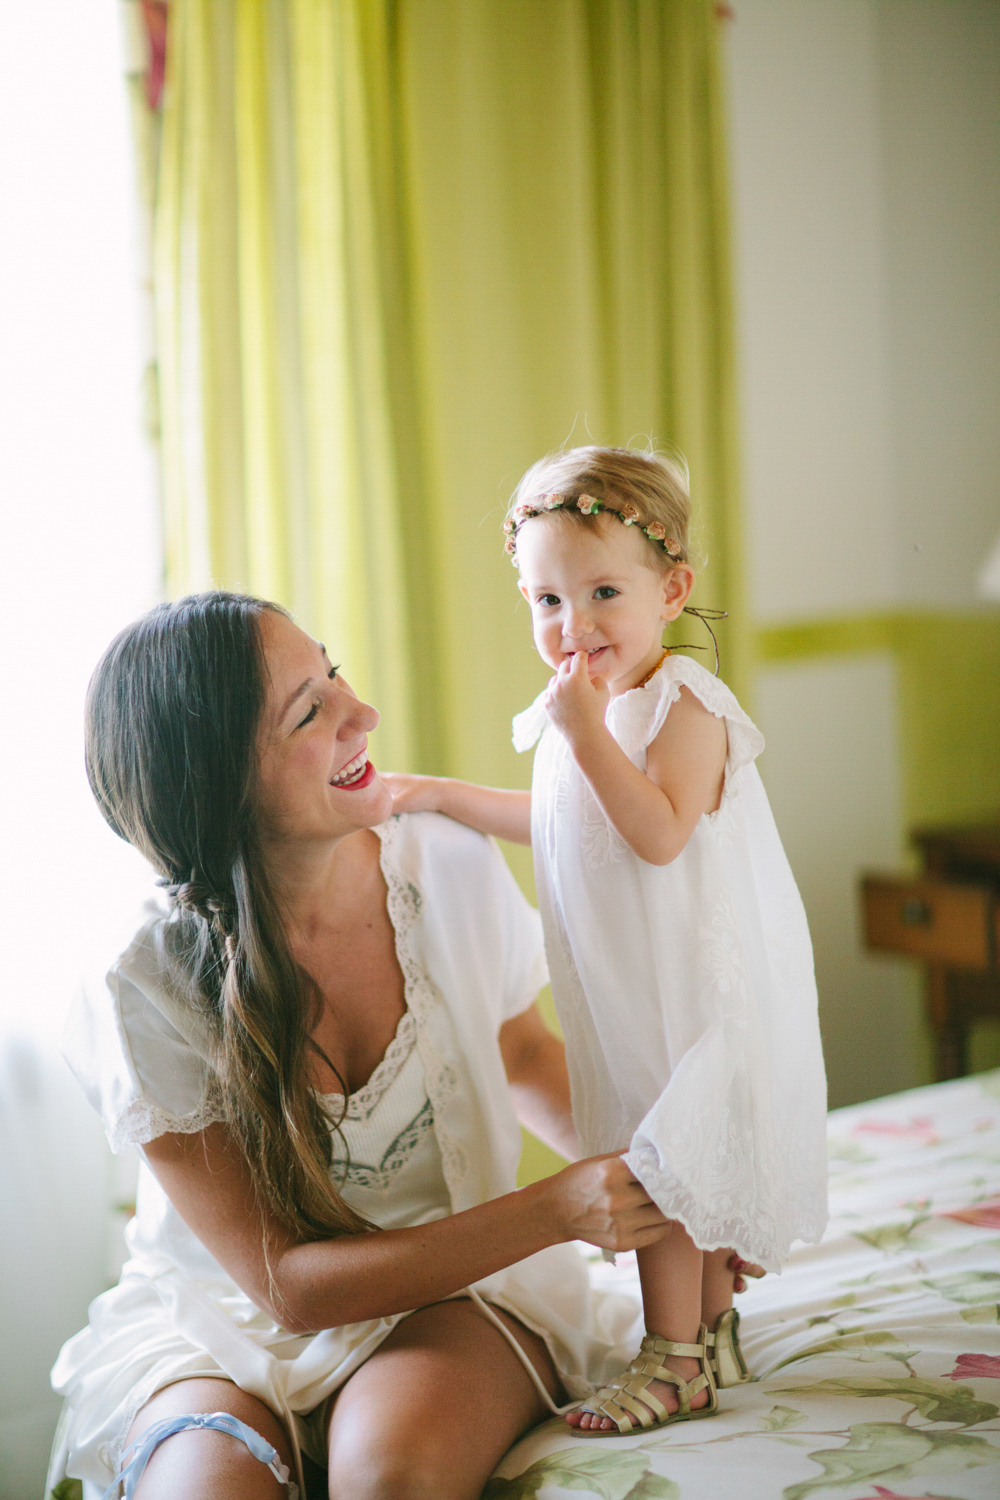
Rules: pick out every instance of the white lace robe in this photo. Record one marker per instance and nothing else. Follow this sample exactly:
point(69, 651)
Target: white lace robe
point(470, 949)
point(686, 991)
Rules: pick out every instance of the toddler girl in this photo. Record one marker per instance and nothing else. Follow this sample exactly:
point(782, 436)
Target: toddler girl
point(677, 943)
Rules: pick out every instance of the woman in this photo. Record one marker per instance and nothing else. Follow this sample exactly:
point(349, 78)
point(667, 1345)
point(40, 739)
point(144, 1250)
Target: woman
point(310, 1046)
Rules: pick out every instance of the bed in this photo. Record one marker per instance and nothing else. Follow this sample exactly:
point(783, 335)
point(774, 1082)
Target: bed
point(875, 1356)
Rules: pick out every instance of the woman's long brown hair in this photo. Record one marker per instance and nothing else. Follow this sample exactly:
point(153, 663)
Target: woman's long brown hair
point(173, 719)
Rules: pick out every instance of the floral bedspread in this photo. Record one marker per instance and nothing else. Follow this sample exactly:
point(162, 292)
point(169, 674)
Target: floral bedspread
point(875, 1356)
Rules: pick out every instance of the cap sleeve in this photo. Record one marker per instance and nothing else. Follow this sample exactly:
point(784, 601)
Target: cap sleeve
point(636, 718)
point(529, 724)
point(142, 1075)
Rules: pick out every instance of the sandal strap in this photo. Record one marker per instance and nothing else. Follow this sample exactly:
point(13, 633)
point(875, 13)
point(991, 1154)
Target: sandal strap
point(653, 1344)
point(630, 1395)
point(615, 1403)
point(640, 1401)
point(613, 1412)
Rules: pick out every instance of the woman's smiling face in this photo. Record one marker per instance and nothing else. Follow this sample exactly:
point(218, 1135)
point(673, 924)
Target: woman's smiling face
point(591, 588)
point(315, 782)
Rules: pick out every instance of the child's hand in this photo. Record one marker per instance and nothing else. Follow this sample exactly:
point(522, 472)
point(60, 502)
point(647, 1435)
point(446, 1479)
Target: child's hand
point(576, 702)
point(413, 793)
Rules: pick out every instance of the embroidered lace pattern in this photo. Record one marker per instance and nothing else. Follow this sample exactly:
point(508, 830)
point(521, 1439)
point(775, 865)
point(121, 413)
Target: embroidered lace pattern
point(362, 1102)
point(404, 903)
point(602, 843)
point(685, 991)
point(398, 1153)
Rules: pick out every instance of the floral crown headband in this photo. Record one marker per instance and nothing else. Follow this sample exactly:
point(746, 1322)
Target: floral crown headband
point(628, 515)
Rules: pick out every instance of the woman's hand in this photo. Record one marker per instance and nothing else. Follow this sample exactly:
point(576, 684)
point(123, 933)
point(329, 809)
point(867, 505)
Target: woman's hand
point(600, 1201)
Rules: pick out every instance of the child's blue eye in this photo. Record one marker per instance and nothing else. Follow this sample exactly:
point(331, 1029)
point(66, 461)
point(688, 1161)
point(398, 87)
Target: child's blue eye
point(605, 592)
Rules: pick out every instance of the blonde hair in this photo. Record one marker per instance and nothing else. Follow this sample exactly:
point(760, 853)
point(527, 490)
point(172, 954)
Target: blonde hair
point(653, 484)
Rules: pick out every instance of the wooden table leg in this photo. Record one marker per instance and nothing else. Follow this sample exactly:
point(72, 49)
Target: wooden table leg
point(949, 1024)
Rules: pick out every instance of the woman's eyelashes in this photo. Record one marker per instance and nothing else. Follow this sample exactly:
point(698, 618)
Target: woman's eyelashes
point(317, 705)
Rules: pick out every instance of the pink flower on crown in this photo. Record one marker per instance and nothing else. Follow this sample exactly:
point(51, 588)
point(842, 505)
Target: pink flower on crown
point(523, 511)
point(657, 531)
point(629, 514)
point(672, 546)
point(509, 546)
point(588, 505)
point(552, 502)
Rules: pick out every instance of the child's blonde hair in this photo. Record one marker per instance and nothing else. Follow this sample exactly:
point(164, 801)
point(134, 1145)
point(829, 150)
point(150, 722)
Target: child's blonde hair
point(651, 485)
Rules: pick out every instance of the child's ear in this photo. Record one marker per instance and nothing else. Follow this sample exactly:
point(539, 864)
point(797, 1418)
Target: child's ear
point(524, 591)
point(677, 585)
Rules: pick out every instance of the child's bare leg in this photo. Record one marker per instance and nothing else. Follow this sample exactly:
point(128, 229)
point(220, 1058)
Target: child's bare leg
point(671, 1273)
point(716, 1286)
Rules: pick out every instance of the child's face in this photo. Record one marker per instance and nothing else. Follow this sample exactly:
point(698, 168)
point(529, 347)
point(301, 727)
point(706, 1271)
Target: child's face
point(590, 588)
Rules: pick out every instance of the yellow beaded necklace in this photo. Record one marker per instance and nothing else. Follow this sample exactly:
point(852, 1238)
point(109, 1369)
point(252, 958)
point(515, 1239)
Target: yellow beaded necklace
point(652, 671)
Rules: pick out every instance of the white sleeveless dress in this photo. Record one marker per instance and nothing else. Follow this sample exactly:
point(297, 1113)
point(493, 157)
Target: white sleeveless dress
point(686, 991)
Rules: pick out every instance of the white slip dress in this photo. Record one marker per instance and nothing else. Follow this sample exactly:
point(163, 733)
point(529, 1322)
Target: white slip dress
point(686, 991)
point(386, 1159)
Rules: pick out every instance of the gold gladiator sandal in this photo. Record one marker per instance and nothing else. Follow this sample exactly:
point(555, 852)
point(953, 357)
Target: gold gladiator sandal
point(726, 1357)
point(630, 1395)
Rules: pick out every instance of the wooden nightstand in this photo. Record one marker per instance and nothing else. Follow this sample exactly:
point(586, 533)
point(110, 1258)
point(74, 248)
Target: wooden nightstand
point(949, 918)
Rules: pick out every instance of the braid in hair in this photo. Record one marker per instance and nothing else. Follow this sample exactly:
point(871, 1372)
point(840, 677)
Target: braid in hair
point(172, 722)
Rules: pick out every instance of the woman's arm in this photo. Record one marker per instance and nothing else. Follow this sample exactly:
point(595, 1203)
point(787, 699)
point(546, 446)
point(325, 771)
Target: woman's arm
point(504, 814)
point(307, 1287)
point(535, 1063)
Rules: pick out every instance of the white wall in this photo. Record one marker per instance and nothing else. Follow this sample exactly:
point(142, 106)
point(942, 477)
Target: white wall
point(939, 68)
point(865, 141)
point(865, 148)
point(832, 773)
point(809, 213)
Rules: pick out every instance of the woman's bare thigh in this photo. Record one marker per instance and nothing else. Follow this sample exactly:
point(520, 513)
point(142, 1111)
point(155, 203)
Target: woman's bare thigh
point(435, 1408)
point(203, 1465)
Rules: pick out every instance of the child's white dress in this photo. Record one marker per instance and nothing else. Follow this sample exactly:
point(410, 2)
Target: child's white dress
point(686, 991)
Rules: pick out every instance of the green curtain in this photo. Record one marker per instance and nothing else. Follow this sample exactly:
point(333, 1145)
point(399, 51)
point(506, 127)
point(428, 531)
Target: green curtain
point(403, 248)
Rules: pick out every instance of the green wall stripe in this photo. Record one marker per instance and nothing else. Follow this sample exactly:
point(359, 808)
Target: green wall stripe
point(948, 675)
point(827, 637)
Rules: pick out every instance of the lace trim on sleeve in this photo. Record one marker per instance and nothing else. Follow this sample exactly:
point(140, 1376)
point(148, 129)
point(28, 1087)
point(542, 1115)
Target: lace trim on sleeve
point(529, 725)
point(404, 904)
point(143, 1122)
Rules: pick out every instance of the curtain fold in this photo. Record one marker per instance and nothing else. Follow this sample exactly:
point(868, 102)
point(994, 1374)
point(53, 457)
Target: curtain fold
point(403, 248)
